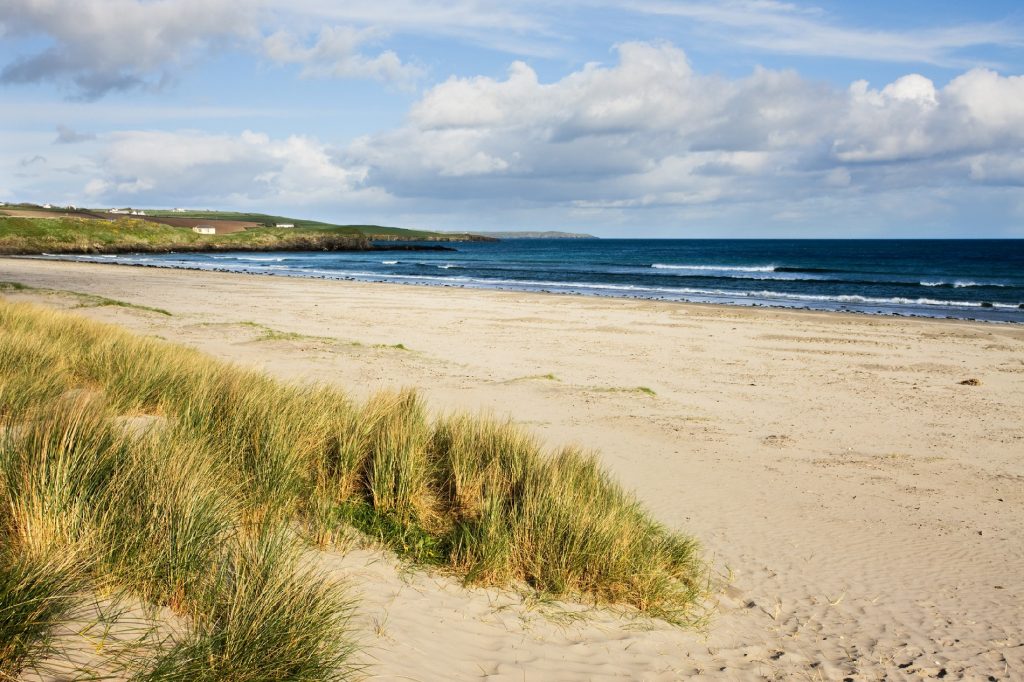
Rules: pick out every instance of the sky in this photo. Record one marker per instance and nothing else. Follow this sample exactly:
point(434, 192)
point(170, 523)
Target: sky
point(654, 118)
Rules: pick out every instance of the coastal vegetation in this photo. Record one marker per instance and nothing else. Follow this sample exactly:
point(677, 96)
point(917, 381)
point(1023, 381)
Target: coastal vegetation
point(88, 235)
point(78, 235)
point(135, 471)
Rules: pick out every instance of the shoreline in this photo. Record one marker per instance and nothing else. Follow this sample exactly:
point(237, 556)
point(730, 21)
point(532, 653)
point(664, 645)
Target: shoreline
point(842, 310)
point(860, 503)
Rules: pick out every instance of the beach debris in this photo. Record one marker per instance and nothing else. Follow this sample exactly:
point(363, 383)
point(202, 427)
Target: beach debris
point(971, 382)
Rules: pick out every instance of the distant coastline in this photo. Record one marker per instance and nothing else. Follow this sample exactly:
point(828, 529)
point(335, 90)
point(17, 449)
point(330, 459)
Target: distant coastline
point(25, 231)
point(526, 234)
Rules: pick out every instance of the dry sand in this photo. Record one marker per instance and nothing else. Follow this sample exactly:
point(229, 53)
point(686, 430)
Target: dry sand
point(863, 509)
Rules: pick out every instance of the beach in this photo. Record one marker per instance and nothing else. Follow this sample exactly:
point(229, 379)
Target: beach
point(855, 480)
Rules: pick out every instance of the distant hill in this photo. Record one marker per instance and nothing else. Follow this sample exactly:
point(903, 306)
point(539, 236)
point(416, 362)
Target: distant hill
point(549, 234)
point(227, 222)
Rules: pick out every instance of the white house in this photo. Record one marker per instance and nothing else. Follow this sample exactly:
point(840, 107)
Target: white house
point(180, 210)
point(285, 225)
point(118, 211)
point(204, 229)
point(47, 206)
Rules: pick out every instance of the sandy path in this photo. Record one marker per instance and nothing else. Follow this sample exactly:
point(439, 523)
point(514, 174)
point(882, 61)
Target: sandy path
point(866, 505)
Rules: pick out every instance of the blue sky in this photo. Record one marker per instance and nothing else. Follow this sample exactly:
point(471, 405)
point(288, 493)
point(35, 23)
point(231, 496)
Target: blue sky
point(671, 118)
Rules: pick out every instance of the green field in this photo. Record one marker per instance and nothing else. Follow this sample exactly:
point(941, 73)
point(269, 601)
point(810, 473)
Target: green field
point(373, 231)
point(136, 226)
point(24, 236)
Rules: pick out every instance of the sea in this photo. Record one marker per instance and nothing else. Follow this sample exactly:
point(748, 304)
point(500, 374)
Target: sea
point(962, 279)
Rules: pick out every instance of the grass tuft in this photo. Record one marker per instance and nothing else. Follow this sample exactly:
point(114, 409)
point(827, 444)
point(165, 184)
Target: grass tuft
point(396, 346)
point(37, 593)
point(262, 616)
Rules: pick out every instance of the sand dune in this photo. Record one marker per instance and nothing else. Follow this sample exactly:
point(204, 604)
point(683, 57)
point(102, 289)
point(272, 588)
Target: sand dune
point(862, 506)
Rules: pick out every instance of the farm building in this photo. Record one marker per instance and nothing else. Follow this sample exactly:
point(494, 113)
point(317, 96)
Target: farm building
point(285, 225)
point(204, 229)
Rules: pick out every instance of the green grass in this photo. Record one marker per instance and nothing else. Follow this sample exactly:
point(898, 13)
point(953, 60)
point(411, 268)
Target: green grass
point(84, 235)
point(374, 231)
point(304, 229)
point(396, 346)
point(215, 509)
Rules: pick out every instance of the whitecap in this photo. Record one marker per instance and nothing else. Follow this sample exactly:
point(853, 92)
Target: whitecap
point(718, 268)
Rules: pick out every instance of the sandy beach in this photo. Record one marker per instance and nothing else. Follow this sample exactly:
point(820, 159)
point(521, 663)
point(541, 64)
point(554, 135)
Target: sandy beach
point(863, 507)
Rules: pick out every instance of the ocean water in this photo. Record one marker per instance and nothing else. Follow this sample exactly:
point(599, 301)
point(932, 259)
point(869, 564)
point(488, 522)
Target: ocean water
point(968, 279)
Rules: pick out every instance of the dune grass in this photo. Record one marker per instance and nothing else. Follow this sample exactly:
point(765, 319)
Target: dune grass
point(213, 507)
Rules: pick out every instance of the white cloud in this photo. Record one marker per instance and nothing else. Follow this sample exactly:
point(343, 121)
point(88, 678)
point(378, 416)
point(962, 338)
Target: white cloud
point(651, 131)
point(646, 137)
point(336, 53)
point(909, 118)
point(99, 46)
point(103, 45)
point(198, 167)
point(646, 130)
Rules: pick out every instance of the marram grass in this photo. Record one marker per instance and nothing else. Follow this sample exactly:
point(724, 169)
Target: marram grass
point(194, 485)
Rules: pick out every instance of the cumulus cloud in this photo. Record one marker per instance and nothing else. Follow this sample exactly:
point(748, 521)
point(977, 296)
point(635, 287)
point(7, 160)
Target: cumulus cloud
point(908, 119)
point(651, 131)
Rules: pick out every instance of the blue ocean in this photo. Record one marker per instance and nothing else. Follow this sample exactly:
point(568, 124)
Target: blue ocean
point(965, 279)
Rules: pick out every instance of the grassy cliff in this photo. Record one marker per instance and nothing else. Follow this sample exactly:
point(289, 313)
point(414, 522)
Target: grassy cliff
point(85, 235)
